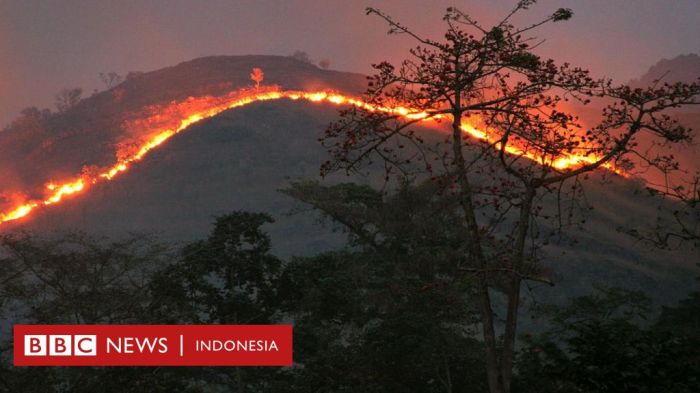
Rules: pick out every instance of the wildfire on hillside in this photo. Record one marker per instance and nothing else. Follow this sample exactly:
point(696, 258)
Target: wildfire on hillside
point(165, 121)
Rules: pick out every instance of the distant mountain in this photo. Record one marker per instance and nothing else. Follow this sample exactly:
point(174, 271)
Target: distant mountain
point(683, 68)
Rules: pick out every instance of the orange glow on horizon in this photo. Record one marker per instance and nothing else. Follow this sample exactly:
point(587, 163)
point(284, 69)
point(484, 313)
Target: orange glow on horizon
point(177, 116)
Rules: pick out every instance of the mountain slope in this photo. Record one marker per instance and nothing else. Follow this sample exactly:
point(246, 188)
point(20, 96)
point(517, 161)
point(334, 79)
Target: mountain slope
point(39, 148)
point(234, 161)
point(240, 158)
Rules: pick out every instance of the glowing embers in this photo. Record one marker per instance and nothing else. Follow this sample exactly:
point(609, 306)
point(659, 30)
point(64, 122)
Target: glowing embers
point(562, 161)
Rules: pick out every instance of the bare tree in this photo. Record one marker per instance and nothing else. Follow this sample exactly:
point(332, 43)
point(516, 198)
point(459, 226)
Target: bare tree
point(526, 147)
point(67, 98)
point(110, 79)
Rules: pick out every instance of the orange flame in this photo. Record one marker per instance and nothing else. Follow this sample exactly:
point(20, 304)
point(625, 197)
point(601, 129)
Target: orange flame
point(561, 162)
point(195, 109)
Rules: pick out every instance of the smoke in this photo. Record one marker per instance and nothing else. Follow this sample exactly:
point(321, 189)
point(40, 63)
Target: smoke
point(46, 46)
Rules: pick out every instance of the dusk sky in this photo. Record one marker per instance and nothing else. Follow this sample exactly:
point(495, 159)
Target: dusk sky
point(48, 45)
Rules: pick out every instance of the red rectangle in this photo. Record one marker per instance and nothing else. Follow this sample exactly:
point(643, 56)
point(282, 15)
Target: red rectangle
point(152, 345)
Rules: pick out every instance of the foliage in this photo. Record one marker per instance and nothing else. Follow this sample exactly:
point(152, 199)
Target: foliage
point(490, 78)
point(78, 279)
point(228, 278)
point(597, 344)
point(301, 56)
point(683, 319)
point(362, 325)
point(388, 314)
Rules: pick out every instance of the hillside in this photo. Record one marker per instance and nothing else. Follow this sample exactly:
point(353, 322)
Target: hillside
point(37, 148)
point(239, 159)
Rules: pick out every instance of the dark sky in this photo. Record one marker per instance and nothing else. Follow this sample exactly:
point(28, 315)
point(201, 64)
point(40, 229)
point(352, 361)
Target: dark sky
point(47, 45)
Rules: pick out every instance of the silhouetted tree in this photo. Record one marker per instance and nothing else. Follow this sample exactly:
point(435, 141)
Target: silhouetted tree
point(67, 98)
point(301, 56)
point(35, 113)
point(491, 77)
point(77, 279)
point(388, 313)
point(110, 79)
point(80, 279)
point(229, 278)
point(598, 343)
point(31, 122)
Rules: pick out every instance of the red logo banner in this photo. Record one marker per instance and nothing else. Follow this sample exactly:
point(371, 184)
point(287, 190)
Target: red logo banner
point(153, 345)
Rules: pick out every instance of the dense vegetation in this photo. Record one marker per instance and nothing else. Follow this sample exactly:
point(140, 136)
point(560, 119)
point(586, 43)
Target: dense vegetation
point(389, 312)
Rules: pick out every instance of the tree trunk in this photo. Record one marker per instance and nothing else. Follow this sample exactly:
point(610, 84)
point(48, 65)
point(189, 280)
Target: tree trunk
point(474, 239)
point(492, 369)
point(513, 289)
point(507, 352)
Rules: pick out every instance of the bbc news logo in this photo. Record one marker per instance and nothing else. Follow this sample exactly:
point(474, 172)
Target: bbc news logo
point(60, 345)
point(152, 345)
